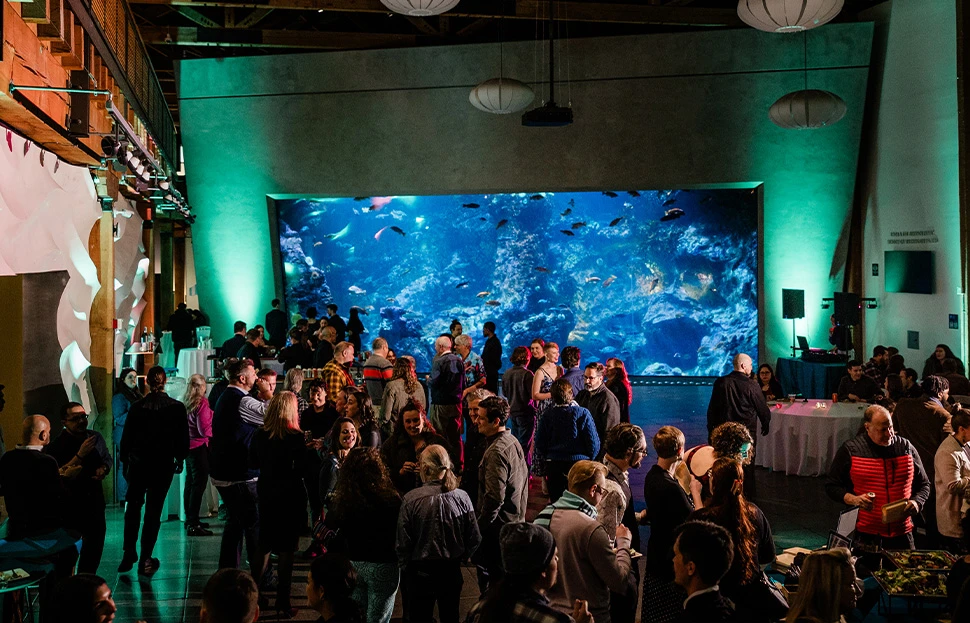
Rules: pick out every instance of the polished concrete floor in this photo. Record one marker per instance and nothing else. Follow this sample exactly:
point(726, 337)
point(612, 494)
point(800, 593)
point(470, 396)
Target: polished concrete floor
point(799, 512)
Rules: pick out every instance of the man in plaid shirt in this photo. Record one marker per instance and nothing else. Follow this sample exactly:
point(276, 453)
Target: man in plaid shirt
point(336, 374)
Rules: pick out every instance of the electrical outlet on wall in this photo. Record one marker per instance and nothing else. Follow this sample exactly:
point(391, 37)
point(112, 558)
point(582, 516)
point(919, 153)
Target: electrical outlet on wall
point(912, 340)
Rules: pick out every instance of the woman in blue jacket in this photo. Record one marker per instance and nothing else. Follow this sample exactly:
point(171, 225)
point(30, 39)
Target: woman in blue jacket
point(566, 434)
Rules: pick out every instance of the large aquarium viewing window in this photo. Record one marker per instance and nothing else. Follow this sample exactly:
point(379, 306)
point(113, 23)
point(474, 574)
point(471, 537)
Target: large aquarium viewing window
point(666, 280)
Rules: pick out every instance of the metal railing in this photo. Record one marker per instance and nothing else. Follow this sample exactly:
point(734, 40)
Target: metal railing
point(114, 33)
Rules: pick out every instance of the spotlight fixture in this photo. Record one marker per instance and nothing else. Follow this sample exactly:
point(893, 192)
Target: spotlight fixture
point(110, 146)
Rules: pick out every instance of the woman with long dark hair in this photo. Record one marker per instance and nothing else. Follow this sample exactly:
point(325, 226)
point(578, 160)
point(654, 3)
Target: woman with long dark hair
point(329, 587)
point(436, 531)
point(155, 441)
point(278, 452)
point(340, 441)
point(354, 329)
point(126, 394)
point(197, 463)
point(618, 382)
point(412, 434)
point(750, 532)
point(361, 410)
point(934, 363)
point(770, 387)
point(364, 513)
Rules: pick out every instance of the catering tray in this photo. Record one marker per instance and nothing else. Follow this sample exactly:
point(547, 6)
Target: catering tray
point(912, 583)
point(924, 560)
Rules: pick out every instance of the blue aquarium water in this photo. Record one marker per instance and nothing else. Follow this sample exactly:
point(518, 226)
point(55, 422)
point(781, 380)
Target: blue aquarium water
point(665, 280)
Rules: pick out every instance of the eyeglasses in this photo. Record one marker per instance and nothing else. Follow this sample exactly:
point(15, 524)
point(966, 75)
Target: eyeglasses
point(77, 417)
point(640, 451)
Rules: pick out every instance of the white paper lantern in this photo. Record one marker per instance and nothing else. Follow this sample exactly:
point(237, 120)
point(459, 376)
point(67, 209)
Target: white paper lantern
point(501, 96)
point(787, 15)
point(420, 8)
point(807, 110)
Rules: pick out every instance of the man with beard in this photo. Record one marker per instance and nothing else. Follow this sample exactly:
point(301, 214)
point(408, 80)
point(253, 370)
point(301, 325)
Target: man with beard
point(600, 401)
point(83, 495)
point(336, 374)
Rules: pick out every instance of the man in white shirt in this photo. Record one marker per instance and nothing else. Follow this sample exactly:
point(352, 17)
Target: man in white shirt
point(952, 480)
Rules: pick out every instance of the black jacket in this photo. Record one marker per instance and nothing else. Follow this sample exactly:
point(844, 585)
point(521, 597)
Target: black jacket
point(231, 438)
point(156, 434)
point(32, 489)
point(604, 407)
point(738, 398)
point(231, 346)
point(492, 355)
point(708, 608)
point(277, 325)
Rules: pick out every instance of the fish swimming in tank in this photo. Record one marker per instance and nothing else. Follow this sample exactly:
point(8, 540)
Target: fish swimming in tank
point(633, 193)
point(463, 284)
point(397, 229)
point(470, 205)
point(672, 214)
point(492, 303)
point(610, 194)
point(579, 224)
point(356, 290)
point(568, 211)
point(501, 223)
point(609, 280)
point(361, 198)
point(593, 279)
point(616, 221)
point(568, 232)
point(536, 197)
point(483, 294)
point(542, 269)
point(669, 202)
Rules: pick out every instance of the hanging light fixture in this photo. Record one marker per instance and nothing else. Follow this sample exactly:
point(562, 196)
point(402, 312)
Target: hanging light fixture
point(420, 8)
point(807, 109)
point(501, 96)
point(550, 114)
point(788, 15)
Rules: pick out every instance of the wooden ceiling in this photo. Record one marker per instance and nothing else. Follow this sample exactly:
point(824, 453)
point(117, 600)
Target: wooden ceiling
point(186, 29)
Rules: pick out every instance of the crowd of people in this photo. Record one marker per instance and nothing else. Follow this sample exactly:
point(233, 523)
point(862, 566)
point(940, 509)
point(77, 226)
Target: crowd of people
point(397, 492)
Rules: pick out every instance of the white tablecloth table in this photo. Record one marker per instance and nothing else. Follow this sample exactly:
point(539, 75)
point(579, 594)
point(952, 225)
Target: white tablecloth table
point(804, 436)
point(195, 361)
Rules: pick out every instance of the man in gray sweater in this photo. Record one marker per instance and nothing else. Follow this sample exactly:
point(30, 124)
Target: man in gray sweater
point(589, 567)
point(503, 486)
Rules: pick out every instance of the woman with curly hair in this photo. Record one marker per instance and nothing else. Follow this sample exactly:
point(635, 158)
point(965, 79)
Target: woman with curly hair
point(364, 513)
point(278, 452)
point(618, 382)
point(402, 388)
point(750, 532)
point(361, 410)
point(827, 588)
point(412, 434)
point(734, 440)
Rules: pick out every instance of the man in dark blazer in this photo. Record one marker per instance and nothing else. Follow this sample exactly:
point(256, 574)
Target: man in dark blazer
point(277, 325)
point(703, 553)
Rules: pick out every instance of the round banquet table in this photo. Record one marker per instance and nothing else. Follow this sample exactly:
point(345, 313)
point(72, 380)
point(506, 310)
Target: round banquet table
point(195, 361)
point(805, 435)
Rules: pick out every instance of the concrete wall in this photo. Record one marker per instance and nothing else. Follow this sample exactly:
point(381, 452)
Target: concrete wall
point(911, 182)
point(665, 111)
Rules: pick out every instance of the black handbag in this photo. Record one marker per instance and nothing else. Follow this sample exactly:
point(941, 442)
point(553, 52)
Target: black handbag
point(767, 598)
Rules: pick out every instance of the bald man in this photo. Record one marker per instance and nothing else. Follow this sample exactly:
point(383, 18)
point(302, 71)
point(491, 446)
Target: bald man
point(31, 482)
point(737, 398)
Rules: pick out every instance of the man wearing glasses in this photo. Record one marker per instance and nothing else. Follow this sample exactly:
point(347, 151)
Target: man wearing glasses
point(589, 566)
point(84, 496)
point(600, 401)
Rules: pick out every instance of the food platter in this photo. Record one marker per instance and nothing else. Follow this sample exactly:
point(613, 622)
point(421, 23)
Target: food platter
point(912, 583)
point(923, 560)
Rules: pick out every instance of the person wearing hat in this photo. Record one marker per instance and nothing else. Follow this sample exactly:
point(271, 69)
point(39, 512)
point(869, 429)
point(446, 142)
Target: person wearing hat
point(531, 563)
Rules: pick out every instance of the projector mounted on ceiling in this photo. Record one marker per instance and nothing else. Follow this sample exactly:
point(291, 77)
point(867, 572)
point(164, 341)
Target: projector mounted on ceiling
point(548, 116)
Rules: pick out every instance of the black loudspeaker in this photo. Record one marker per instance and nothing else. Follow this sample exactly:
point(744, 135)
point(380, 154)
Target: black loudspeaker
point(792, 304)
point(847, 309)
point(80, 104)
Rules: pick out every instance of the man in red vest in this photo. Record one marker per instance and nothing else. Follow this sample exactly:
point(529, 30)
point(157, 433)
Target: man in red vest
point(878, 468)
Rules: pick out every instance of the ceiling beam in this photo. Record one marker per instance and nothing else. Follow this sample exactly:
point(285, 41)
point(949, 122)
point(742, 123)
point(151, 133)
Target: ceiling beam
point(197, 17)
point(524, 9)
point(422, 25)
point(244, 38)
point(253, 18)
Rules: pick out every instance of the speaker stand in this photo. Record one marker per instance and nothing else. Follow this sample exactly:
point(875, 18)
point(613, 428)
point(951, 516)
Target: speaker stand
point(794, 347)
